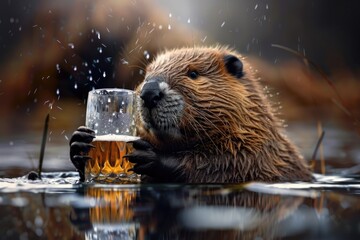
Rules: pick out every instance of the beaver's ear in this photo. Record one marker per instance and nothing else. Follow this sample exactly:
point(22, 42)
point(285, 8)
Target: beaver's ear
point(233, 65)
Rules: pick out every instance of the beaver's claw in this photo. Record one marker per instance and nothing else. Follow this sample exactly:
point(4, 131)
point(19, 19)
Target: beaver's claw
point(160, 167)
point(79, 148)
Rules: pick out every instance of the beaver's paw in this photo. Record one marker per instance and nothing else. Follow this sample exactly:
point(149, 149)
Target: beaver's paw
point(80, 147)
point(159, 166)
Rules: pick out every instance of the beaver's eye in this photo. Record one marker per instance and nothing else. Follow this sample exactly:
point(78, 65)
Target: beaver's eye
point(193, 74)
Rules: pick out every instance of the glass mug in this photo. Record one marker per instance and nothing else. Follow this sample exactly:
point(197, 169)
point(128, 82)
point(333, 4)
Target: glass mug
point(111, 114)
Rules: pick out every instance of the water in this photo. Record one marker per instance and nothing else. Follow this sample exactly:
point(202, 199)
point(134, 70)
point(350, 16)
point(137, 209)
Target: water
point(56, 207)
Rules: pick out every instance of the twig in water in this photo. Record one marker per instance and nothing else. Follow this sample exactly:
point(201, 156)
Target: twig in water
point(43, 143)
point(316, 150)
point(321, 149)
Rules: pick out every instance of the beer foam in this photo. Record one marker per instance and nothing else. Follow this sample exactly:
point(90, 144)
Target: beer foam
point(117, 138)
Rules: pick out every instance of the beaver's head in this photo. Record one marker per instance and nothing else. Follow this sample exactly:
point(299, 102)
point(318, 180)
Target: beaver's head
point(197, 96)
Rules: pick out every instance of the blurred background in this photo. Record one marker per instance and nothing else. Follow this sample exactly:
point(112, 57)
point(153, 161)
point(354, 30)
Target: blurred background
point(54, 52)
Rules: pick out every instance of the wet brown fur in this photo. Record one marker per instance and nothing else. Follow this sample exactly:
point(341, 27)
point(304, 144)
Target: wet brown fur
point(230, 131)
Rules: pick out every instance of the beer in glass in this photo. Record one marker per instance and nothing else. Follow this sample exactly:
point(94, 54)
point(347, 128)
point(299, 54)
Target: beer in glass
point(111, 114)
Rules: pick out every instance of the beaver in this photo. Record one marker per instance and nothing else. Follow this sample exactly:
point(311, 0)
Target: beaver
point(203, 118)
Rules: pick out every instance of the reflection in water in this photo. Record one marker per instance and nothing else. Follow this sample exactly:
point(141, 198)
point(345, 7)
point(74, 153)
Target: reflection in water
point(54, 208)
point(113, 217)
point(209, 212)
point(175, 212)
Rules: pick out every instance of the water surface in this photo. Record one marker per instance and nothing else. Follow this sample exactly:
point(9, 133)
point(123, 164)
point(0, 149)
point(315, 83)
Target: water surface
point(56, 207)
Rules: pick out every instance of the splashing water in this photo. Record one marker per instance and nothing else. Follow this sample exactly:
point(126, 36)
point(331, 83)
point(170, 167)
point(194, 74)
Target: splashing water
point(123, 61)
point(146, 54)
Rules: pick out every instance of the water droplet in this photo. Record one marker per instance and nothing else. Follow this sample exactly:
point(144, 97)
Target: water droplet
point(11, 143)
point(267, 6)
point(58, 67)
point(98, 34)
point(75, 86)
point(100, 50)
point(123, 61)
point(146, 54)
point(170, 15)
point(256, 6)
point(169, 27)
point(71, 45)
point(160, 27)
point(222, 24)
point(12, 20)
point(104, 74)
point(117, 130)
point(188, 21)
point(75, 68)
point(57, 91)
point(90, 78)
point(109, 100)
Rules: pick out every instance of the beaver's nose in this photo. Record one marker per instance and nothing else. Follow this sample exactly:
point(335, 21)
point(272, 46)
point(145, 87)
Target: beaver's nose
point(151, 93)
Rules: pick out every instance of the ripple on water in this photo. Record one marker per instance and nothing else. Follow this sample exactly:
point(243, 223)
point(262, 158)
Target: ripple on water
point(68, 182)
point(50, 182)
